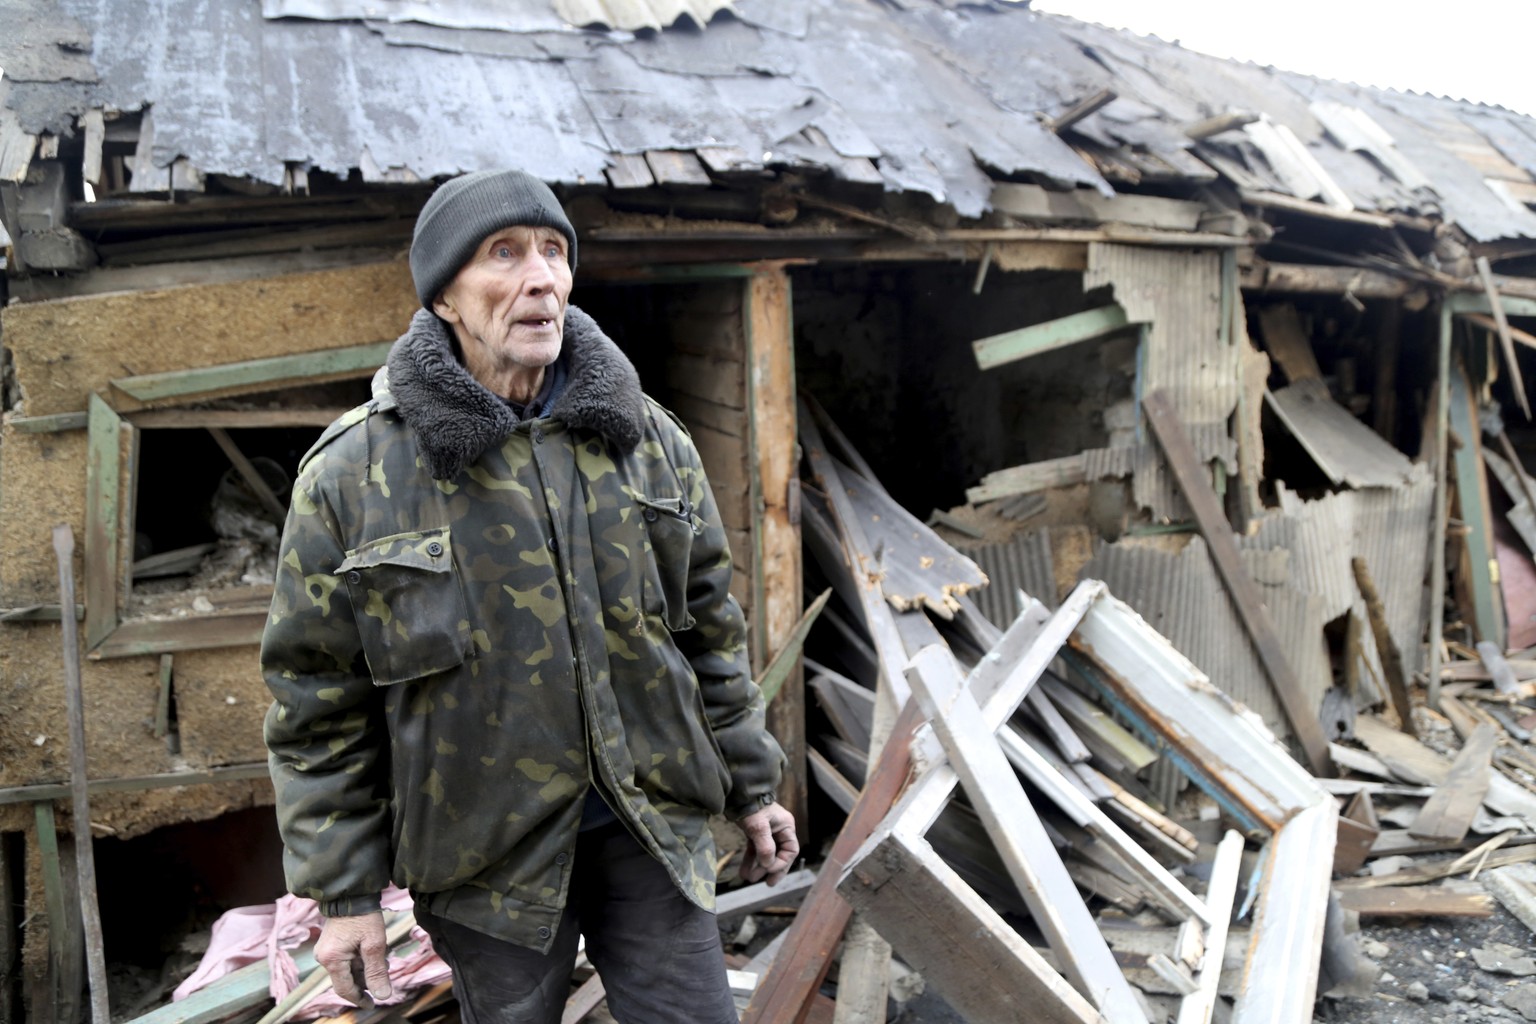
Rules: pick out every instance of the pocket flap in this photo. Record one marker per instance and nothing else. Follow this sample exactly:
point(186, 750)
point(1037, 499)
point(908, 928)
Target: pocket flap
point(427, 550)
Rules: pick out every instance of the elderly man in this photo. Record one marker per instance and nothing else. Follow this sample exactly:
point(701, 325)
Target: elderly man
point(508, 672)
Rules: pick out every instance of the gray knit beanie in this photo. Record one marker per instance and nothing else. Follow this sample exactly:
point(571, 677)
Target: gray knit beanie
point(466, 209)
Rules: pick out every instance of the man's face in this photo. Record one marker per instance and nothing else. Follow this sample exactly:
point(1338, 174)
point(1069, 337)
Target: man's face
point(507, 303)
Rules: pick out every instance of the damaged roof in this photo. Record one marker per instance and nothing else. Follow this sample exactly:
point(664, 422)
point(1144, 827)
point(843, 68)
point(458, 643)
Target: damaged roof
point(921, 96)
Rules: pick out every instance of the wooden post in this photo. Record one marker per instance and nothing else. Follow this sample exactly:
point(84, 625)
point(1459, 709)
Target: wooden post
point(1481, 582)
point(66, 952)
point(1442, 483)
point(103, 494)
point(774, 466)
point(79, 798)
point(1384, 393)
point(1208, 513)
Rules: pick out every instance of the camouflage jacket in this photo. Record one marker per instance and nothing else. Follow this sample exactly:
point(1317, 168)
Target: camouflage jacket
point(474, 616)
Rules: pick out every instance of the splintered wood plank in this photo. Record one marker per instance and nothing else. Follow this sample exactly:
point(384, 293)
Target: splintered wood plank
point(1499, 670)
point(156, 636)
point(1287, 344)
point(629, 170)
point(353, 361)
point(1166, 892)
point(248, 472)
point(1011, 346)
point(879, 619)
point(1415, 763)
point(675, 167)
point(1112, 742)
point(103, 493)
point(955, 939)
point(1199, 1006)
point(1195, 484)
point(1391, 658)
point(1448, 814)
point(1418, 901)
point(787, 986)
point(1019, 836)
point(1029, 478)
point(1501, 325)
point(917, 567)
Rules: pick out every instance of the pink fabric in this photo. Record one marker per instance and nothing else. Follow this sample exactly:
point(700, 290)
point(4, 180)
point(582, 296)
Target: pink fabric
point(248, 934)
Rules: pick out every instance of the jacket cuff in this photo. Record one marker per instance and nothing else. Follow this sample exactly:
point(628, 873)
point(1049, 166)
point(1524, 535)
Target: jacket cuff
point(750, 806)
point(352, 906)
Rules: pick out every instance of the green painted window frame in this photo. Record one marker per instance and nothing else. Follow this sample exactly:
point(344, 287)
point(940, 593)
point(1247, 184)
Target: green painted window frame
point(111, 470)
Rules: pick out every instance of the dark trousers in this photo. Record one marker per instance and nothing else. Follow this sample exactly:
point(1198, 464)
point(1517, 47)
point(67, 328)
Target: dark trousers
point(659, 956)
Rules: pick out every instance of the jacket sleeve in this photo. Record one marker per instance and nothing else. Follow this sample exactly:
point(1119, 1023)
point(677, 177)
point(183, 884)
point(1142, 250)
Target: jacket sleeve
point(325, 730)
point(716, 647)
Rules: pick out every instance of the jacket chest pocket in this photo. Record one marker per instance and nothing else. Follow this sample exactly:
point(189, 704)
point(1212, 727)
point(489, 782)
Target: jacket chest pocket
point(670, 525)
point(409, 605)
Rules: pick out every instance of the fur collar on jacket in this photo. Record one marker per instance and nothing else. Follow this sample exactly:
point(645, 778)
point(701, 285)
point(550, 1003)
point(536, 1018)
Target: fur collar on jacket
point(455, 417)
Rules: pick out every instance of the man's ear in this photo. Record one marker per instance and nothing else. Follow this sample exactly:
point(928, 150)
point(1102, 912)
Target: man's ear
point(444, 308)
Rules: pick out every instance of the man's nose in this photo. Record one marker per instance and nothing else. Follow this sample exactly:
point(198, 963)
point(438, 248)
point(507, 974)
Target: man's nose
point(540, 278)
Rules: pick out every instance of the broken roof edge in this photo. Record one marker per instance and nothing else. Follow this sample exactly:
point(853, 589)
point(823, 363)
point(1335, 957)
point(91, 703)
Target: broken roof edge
point(621, 16)
point(1278, 69)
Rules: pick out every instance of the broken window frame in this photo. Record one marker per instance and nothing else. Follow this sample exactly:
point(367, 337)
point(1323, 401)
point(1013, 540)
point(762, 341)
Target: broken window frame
point(1233, 757)
point(111, 473)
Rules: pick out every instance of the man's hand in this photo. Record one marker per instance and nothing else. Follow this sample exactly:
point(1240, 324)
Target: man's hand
point(355, 954)
point(772, 846)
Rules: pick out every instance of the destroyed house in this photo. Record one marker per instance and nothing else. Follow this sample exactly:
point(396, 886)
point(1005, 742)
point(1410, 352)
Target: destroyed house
point(1094, 306)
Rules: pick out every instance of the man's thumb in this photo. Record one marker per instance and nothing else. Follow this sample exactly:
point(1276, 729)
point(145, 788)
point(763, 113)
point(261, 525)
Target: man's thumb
point(376, 973)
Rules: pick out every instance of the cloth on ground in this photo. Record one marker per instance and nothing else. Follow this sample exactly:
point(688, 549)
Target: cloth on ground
point(270, 932)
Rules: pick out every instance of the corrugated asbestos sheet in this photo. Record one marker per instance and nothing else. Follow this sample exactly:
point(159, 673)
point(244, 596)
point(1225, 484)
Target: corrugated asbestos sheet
point(1023, 563)
point(940, 95)
point(1392, 528)
point(1183, 352)
point(1181, 596)
point(1343, 447)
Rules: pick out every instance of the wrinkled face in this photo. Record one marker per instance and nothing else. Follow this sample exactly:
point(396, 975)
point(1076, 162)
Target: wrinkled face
point(507, 302)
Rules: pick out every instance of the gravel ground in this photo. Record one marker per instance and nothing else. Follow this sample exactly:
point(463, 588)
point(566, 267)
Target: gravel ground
point(1444, 971)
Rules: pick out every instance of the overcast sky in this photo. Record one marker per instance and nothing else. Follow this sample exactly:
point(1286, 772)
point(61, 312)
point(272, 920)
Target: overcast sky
point(1481, 50)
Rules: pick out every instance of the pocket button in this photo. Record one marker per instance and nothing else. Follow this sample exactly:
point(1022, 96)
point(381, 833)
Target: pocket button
point(650, 515)
point(434, 549)
point(354, 577)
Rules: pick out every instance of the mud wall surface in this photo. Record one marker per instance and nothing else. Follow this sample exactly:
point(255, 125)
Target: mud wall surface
point(65, 350)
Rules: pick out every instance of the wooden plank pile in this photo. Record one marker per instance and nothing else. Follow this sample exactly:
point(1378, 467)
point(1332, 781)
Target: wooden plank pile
point(999, 840)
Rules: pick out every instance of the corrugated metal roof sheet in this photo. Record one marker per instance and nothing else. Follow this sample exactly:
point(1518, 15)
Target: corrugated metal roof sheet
point(497, 15)
point(1391, 532)
point(1344, 448)
point(1319, 538)
point(942, 95)
point(1023, 563)
point(637, 14)
point(1177, 293)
